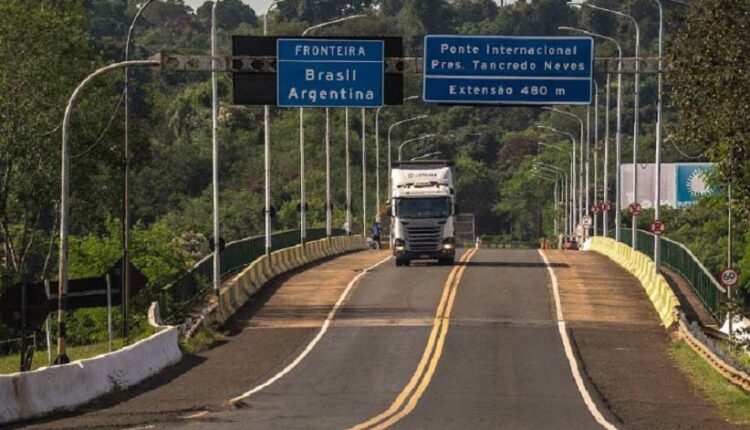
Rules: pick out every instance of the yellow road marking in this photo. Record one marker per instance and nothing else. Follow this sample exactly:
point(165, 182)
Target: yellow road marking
point(421, 378)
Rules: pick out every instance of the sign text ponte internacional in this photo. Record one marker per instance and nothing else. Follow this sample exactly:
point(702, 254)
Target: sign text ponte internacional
point(508, 70)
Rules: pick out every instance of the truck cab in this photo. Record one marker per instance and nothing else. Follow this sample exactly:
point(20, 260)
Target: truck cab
point(423, 209)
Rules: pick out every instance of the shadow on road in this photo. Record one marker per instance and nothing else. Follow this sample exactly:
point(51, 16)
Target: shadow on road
point(512, 264)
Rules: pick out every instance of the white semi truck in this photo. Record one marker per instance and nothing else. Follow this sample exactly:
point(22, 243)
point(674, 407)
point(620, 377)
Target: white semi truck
point(423, 208)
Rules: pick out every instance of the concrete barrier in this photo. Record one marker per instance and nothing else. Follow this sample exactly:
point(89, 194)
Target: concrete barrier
point(642, 268)
point(39, 392)
point(241, 287)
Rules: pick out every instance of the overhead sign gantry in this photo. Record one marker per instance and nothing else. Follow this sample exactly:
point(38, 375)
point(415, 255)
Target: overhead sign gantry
point(508, 70)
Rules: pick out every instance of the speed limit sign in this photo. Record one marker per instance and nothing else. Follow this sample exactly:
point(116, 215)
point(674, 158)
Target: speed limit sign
point(729, 277)
point(635, 209)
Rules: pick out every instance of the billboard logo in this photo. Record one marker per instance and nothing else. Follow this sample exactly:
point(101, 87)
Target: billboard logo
point(692, 183)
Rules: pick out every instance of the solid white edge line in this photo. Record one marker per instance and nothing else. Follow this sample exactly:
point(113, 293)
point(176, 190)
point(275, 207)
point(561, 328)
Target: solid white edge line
point(315, 340)
point(569, 352)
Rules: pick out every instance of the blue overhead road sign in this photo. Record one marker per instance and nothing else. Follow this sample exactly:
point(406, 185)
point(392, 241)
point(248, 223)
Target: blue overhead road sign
point(330, 73)
point(508, 70)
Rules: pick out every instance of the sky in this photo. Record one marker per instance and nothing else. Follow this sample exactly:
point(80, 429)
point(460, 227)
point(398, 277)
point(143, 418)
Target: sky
point(258, 5)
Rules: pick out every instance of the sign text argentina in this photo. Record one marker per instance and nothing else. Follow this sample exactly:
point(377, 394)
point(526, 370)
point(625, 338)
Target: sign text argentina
point(508, 70)
point(330, 73)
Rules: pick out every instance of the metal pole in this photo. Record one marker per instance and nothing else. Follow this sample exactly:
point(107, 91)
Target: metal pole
point(49, 325)
point(636, 127)
point(596, 156)
point(62, 356)
point(126, 182)
point(729, 255)
point(328, 174)
point(605, 179)
point(390, 129)
point(109, 311)
point(587, 167)
point(618, 153)
point(348, 175)
point(302, 195)
point(657, 207)
point(364, 173)
point(215, 154)
point(377, 164)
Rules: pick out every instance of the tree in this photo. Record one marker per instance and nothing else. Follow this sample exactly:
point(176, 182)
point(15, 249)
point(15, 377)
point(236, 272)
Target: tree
point(229, 14)
point(710, 79)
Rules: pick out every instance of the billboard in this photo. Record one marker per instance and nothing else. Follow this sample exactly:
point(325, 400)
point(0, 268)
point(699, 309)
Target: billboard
point(682, 184)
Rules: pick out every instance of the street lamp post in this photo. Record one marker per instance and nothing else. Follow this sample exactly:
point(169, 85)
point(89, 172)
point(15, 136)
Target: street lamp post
point(364, 173)
point(267, 149)
point(348, 174)
point(579, 181)
point(377, 158)
point(62, 356)
point(303, 193)
point(566, 190)
point(618, 135)
point(215, 153)
point(423, 137)
point(571, 183)
point(636, 109)
point(126, 182)
point(657, 191)
point(390, 130)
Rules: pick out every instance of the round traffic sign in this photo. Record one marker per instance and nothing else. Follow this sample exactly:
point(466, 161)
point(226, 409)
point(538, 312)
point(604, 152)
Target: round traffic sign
point(635, 209)
point(658, 227)
point(587, 221)
point(595, 208)
point(606, 206)
point(729, 277)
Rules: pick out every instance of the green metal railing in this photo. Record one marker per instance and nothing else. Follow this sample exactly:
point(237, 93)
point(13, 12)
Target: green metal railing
point(679, 258)
point(179, 297)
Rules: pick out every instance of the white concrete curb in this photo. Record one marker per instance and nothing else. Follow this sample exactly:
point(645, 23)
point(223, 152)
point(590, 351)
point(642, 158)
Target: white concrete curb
point(31, 394)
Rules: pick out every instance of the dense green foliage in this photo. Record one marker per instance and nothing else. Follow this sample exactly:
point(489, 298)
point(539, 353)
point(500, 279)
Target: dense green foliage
point(51, 45)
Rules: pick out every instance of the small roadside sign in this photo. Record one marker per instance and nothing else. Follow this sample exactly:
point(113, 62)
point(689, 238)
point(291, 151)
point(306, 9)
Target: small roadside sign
point(657, 227)
point(595, 208)
point(587, 221)
point(729, 277)
point(330, 73)
point(635, 209)
point(606, 206)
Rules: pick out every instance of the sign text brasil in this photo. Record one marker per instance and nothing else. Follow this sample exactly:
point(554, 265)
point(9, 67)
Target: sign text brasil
point(330, 73)
point(508, 70)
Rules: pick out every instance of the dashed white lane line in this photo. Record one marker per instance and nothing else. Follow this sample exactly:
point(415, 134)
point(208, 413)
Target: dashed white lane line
point(310, 346)
point(587, 399)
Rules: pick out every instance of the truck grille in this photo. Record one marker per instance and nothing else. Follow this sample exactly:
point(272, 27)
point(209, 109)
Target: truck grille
point(423, 239)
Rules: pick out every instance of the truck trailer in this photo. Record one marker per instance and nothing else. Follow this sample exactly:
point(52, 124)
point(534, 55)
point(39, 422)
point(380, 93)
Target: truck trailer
point(423, 209)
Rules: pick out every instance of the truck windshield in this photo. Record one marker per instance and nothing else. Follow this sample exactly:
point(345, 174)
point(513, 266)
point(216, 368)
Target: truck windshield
point(426, 207)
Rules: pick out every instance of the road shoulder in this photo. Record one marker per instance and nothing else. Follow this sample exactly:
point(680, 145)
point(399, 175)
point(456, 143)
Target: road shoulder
point(624, 350)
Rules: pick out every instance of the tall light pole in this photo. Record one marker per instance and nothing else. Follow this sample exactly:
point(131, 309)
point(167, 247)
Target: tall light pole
point(636, 103)
point(618, 136)
point(377, 158)
point(62, 356)
point(417, 139)
point(580, 167)
point(215, 152)
point(572, 154)
point(126, 183)
point(267, 149)
point(657, 191)
point(566, 185)
point(302, 193)
point(596, 155)
point(348, 174)
point(364, 173)
point(390, 130)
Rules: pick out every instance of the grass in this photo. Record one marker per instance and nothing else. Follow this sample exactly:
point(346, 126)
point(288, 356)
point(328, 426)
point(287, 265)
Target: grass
point(733, 402)
point(202, 341)
point(11, 363)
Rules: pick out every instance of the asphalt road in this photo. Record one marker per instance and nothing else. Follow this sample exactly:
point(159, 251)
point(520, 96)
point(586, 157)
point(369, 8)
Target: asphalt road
point(493, 359)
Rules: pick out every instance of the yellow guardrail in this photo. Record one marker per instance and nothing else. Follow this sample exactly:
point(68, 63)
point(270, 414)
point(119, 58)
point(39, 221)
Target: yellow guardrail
point(642, 267)
point(236, 291)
